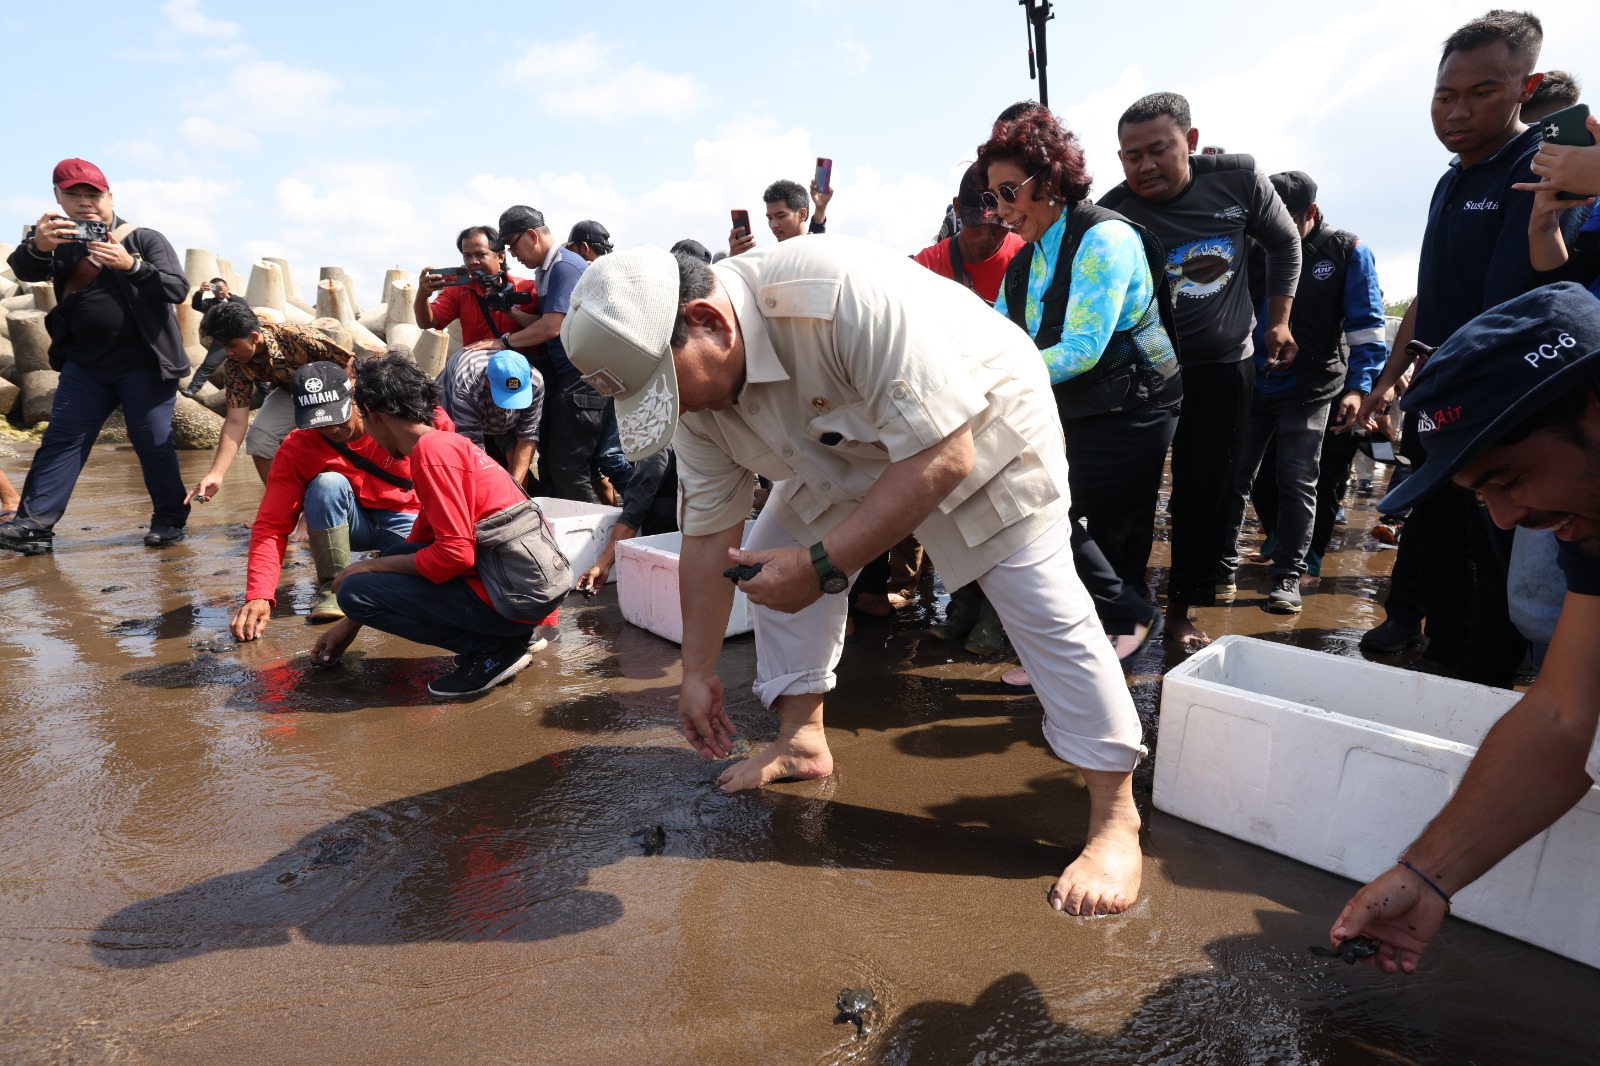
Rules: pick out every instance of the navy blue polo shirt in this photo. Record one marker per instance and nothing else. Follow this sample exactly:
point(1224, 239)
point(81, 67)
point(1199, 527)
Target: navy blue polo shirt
point(555, 294)
point(1475, 249)
point(1581, 571)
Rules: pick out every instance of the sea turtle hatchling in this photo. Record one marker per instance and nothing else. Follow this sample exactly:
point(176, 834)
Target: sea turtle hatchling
point(856, 1005)
point(1351, 951)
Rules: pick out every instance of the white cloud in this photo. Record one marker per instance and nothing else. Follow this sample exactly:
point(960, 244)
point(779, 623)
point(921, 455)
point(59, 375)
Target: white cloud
point(274, 95)
point(188, 18)
point(186, 211)
point(581, 79)
point(205, 133)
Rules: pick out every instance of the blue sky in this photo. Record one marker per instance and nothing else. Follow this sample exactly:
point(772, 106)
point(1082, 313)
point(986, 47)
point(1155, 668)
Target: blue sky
point(366, 136)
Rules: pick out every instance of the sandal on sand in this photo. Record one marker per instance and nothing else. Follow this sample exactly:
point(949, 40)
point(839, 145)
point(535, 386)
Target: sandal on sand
point(1128, 645)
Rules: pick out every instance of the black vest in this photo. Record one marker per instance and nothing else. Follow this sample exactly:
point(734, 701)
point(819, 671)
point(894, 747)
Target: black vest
point(1122, 379)
point(1317, 320)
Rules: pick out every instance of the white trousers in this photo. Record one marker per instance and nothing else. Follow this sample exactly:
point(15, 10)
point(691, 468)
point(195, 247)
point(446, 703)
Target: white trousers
point(1089, 719)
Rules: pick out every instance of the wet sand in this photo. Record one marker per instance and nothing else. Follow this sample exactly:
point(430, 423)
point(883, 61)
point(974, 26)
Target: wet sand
point(225, 856)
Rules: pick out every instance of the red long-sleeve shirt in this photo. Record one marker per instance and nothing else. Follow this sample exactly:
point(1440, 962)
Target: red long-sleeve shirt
point(458, 486)
point(303, 455)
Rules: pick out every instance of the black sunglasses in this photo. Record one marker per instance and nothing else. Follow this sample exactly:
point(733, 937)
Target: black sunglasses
point(1008, 193)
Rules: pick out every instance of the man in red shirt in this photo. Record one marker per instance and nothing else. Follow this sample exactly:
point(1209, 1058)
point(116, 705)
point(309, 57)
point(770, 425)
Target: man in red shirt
point(466, 302)
point(977, 256)
point(354, 494)
point(428, 590)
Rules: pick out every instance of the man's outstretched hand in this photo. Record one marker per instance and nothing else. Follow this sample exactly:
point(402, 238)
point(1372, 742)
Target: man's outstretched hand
point(1397, 910)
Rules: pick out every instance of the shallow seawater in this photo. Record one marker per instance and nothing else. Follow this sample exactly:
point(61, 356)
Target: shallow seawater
point(214, 853)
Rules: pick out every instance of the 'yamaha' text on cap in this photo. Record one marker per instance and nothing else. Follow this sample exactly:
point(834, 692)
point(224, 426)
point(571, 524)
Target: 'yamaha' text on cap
point(321, 394)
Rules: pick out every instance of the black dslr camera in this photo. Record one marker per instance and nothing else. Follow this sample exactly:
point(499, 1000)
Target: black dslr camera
point(499, 294)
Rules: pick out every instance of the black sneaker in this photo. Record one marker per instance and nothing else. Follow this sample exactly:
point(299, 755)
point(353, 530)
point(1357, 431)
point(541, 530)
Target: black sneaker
point(26, 539)
point(161, 536)
point(1285, 595)
point(482, 672)
point(1391, 637)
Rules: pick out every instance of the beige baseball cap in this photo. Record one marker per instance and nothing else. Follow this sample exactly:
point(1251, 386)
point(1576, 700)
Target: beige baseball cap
point(618, 333)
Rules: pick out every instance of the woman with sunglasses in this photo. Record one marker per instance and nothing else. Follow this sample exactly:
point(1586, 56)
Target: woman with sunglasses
point(1083, 288)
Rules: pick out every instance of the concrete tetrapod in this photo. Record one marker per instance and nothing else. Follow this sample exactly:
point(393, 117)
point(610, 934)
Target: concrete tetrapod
point(291, 292)
point(333, 302)
point(334, 330)
point(402, 328)
point(10, 396)
point(30, 343)
point(266, 290)
point(431, 349)
point(200, 266)
point(226, 272)
point(38, 394)
point(44, 294)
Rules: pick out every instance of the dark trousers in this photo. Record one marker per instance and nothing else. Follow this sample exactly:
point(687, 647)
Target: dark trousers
point(1205, 453)
point(609, 462)
point(1407, 599)
point(85, 398)
point(214, 359)
point(1333, 473)
point(447, 615)
point(571, 435)
point(1114, 473)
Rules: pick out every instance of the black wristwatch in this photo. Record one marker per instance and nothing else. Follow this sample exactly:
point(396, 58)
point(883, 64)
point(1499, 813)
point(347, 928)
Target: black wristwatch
point(505, 339)
point(832, 580)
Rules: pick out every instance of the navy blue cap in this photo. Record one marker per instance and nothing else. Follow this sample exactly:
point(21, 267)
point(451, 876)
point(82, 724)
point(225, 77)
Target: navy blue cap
point(1493, 373)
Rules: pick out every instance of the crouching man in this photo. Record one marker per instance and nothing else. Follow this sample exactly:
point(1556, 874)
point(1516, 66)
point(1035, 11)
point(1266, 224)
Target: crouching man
point(1509, 408)
point(355, 496)
point(428, 590)
point(885, 403)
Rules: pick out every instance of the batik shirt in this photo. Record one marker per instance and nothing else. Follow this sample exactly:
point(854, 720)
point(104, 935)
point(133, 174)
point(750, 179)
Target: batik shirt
point(286, 349)
point(1110, 292)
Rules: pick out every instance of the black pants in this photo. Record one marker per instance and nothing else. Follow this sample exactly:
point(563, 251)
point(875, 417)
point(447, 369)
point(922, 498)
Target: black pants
point(1205, 451)
point(1114, 473)
point(215, 357)
point(571, 433)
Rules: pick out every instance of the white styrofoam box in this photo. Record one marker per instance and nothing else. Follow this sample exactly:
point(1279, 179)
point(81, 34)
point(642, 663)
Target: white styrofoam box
point(1341, 763)
point(647, 587)
point(582, 530)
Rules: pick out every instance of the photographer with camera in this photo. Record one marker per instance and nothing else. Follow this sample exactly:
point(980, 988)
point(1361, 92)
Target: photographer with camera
point(499, 303)
point(115, 342)
point(212, 294)
point(572, 432)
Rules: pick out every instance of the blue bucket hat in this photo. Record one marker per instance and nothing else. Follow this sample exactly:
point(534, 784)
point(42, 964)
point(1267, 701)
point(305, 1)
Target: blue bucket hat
point(1493, 373)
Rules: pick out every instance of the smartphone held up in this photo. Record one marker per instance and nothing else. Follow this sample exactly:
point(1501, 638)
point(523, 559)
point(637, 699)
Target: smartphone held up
point(824, 175)
point(741, 220)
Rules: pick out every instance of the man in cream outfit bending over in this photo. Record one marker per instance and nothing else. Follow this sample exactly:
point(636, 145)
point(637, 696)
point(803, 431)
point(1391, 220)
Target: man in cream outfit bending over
point(886, 401)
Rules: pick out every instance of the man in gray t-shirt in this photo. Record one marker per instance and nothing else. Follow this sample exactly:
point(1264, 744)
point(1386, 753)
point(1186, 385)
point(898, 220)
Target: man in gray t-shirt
point(1201, 209)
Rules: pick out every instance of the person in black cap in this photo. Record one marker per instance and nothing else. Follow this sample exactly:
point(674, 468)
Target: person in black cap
point(689, 246)
point(1508, 408)
point(573, 428)
point(1338, 324)
point(355, 496)
point(981, 249)
point(589, 239)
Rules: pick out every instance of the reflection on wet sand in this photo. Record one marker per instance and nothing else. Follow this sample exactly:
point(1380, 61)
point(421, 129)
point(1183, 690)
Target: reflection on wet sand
point(216, 853)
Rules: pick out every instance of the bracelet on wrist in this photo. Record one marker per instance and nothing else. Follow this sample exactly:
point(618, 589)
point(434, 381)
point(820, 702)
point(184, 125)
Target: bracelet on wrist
point(1429, 882)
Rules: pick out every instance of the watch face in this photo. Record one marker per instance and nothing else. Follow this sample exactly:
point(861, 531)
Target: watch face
point(835, 582)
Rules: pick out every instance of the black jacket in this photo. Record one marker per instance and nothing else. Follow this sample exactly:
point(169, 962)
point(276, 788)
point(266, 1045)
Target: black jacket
point(150, 288)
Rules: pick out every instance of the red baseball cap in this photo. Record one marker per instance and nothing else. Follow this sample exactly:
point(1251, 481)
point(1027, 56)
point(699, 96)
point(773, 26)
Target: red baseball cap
point(70, 172)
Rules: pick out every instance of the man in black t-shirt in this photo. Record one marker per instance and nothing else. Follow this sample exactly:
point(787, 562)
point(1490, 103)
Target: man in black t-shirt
point(1508, 408)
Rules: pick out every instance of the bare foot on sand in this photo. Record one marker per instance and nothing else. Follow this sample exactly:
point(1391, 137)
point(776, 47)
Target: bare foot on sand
point(802, 756)
point(1183, 633)
point(1104, 878)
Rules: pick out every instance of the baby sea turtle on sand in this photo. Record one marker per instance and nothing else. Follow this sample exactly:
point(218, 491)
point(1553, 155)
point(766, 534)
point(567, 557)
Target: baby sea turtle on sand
point(856, 1006)
point(653, 838)
point(1351, 951)
point(739, 748)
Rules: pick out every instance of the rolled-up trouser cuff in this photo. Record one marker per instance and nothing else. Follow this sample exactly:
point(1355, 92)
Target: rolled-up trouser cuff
point(795, 653)
point(1089, 717)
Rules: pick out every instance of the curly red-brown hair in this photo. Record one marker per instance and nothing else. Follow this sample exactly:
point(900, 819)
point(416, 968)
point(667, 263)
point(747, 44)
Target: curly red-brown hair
point(1040, 145)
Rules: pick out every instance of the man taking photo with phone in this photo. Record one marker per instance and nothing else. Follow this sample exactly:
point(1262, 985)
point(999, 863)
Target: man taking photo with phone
point(115, 341)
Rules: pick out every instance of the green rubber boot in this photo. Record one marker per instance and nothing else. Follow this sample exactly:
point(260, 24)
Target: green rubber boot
point(331, 550)
point(988, 636)
point(961, 614)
